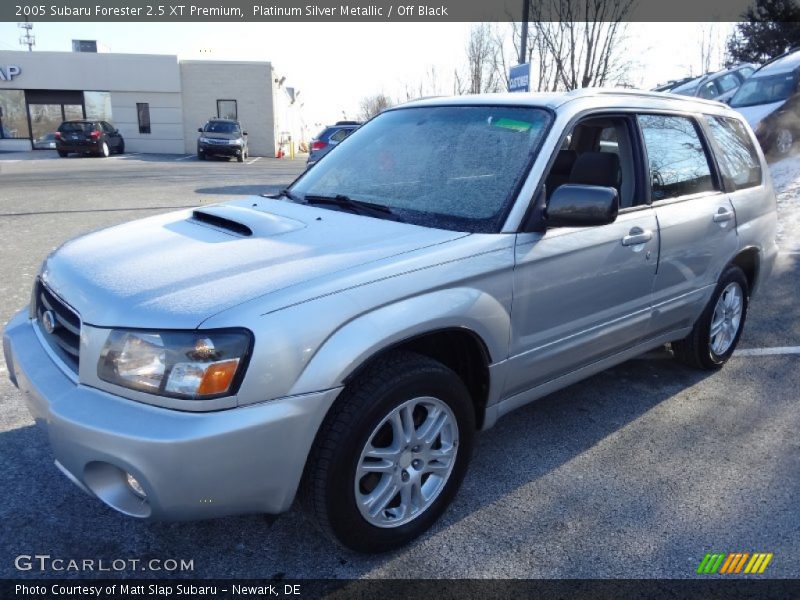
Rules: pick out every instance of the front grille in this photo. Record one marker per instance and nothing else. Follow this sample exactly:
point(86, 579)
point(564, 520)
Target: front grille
point(61, 328)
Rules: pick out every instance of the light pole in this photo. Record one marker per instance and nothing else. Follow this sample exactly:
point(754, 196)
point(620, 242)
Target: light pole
point(523, 46)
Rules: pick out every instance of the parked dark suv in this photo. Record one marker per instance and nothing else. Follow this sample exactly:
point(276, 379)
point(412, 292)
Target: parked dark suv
point(222, 137)
point(89, 137)
point(328, 138)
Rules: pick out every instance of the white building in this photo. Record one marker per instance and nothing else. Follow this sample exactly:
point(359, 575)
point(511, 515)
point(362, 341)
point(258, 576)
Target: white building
point(156, 101)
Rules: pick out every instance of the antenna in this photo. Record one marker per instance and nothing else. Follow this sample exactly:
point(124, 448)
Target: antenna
point(27, 39)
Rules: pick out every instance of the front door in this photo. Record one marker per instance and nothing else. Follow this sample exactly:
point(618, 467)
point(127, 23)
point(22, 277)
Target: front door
point(582, 294)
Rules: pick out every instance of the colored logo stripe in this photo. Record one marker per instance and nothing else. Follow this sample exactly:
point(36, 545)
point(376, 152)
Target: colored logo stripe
point(734, 563)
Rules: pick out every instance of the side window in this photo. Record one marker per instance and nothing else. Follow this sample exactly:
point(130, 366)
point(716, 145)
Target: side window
point(106, 127)
point(708, 90)
point(745, 72)
point(737, 157)
point(727, 82)
point(339, 135)
point(677, 159)
point(599, 152)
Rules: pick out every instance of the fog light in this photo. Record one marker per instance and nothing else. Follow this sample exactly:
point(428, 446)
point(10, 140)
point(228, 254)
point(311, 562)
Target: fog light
point(135, 486)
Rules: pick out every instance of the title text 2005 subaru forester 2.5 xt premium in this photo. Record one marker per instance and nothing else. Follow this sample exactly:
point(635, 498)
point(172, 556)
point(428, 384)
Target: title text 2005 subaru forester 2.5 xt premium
point(450, 261)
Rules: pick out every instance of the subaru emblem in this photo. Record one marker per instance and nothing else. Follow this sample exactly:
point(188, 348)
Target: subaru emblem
point(49, 321)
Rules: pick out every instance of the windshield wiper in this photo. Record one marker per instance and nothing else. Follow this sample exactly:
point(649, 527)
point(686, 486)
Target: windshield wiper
point(285, 193)
point(357, 206)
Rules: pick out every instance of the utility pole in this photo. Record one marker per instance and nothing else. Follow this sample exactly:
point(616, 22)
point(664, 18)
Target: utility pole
point(523, 46)
point(26, 39)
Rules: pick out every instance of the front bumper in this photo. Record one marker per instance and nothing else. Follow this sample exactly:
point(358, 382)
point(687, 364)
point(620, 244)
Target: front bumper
point(191, 465)
point(219, 149)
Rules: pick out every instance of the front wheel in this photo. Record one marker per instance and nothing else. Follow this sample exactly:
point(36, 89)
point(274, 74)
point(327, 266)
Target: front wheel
point(716, 333)
point(391, 453)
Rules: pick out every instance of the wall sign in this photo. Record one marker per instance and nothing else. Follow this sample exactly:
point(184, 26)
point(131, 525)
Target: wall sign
point(8, 72)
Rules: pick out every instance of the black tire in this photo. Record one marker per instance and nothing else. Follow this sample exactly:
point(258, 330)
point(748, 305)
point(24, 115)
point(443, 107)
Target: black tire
point(782, 142)
point(328, 488)
point(121, 148)
point(696, 349)
point(62, 154)
point(240, 157)
point(201, 155)
point(104, 151)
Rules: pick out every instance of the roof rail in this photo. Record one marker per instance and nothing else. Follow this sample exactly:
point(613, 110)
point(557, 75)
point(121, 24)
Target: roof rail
point(589, 92)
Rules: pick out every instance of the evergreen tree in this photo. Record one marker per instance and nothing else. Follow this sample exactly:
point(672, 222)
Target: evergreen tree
point(769, 29)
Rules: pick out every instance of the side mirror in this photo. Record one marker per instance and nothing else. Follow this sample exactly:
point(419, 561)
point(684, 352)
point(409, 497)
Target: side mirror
point(199, 130)
point(244, 133)
point(573, 205)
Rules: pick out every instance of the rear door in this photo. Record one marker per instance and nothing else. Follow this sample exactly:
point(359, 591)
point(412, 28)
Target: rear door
point(696, 220)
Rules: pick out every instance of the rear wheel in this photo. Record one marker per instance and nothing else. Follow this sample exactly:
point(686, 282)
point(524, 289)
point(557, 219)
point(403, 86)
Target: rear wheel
point(391, 453)
point(62, 154)
point(105, 152)
point(716, 333)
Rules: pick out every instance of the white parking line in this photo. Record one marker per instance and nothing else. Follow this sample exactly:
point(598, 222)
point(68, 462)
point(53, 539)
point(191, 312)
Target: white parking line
point(768, 351)
point(256, 159)
point(185, 157)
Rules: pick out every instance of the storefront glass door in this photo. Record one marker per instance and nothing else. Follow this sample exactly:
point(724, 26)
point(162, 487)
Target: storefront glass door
point(45, 119)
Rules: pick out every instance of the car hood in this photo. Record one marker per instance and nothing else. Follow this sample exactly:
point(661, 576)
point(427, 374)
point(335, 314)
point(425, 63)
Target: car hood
point(220, 136)
point(755, 114)
point(178, 269)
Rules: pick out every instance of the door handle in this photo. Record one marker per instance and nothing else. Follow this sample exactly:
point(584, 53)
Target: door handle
point(723, 214)
point(637, 236)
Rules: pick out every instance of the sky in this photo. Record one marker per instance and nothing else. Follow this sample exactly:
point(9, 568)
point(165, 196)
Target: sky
point(335, 65)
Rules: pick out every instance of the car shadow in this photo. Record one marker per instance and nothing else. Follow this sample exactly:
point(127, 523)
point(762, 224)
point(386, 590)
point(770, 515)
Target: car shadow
point(45, 513)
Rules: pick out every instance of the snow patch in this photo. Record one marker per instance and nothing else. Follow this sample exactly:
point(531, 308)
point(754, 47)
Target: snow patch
point(786, 177)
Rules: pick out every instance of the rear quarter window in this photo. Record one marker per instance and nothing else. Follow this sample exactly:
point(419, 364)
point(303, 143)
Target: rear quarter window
point(737, 157)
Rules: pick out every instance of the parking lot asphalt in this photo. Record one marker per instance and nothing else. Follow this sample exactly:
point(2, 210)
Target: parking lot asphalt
point(634, 473)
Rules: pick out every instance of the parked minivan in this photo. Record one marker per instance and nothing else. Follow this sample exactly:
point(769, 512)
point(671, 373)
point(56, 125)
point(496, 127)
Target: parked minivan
point(770, 102)
point(345, 341)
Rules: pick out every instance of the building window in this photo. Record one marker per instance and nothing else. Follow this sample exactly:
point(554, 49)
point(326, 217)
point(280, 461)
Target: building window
point(143, 115)
point(98, 105)
point(13, 116)
point(226, 109)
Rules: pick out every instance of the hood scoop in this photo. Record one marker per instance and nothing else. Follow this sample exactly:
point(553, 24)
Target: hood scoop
point(244, 222)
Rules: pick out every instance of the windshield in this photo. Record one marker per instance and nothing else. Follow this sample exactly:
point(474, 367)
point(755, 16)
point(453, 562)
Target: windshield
point(764, 90)
point(449, 167)
point(221, 127)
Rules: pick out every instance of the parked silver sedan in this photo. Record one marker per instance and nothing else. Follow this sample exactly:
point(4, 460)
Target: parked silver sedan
point(346, 340)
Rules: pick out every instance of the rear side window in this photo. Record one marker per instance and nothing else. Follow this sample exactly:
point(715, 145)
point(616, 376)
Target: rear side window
point(727, 82)
point(736, 155)
point(339, 135)
point(676, 156)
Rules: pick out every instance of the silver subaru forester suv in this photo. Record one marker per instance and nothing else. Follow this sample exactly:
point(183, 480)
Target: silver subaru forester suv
point(452, 260)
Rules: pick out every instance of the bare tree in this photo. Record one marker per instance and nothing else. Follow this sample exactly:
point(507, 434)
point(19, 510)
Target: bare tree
point(710, 48)
point(483, 73)
point(577, 43)
point(373, 105)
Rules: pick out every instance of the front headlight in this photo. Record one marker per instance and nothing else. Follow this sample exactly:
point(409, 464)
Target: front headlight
point(182, 364)
point(235, 142)
point(203, 140)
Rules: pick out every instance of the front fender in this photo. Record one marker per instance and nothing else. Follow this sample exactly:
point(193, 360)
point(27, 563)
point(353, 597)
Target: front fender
point(355, 342)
